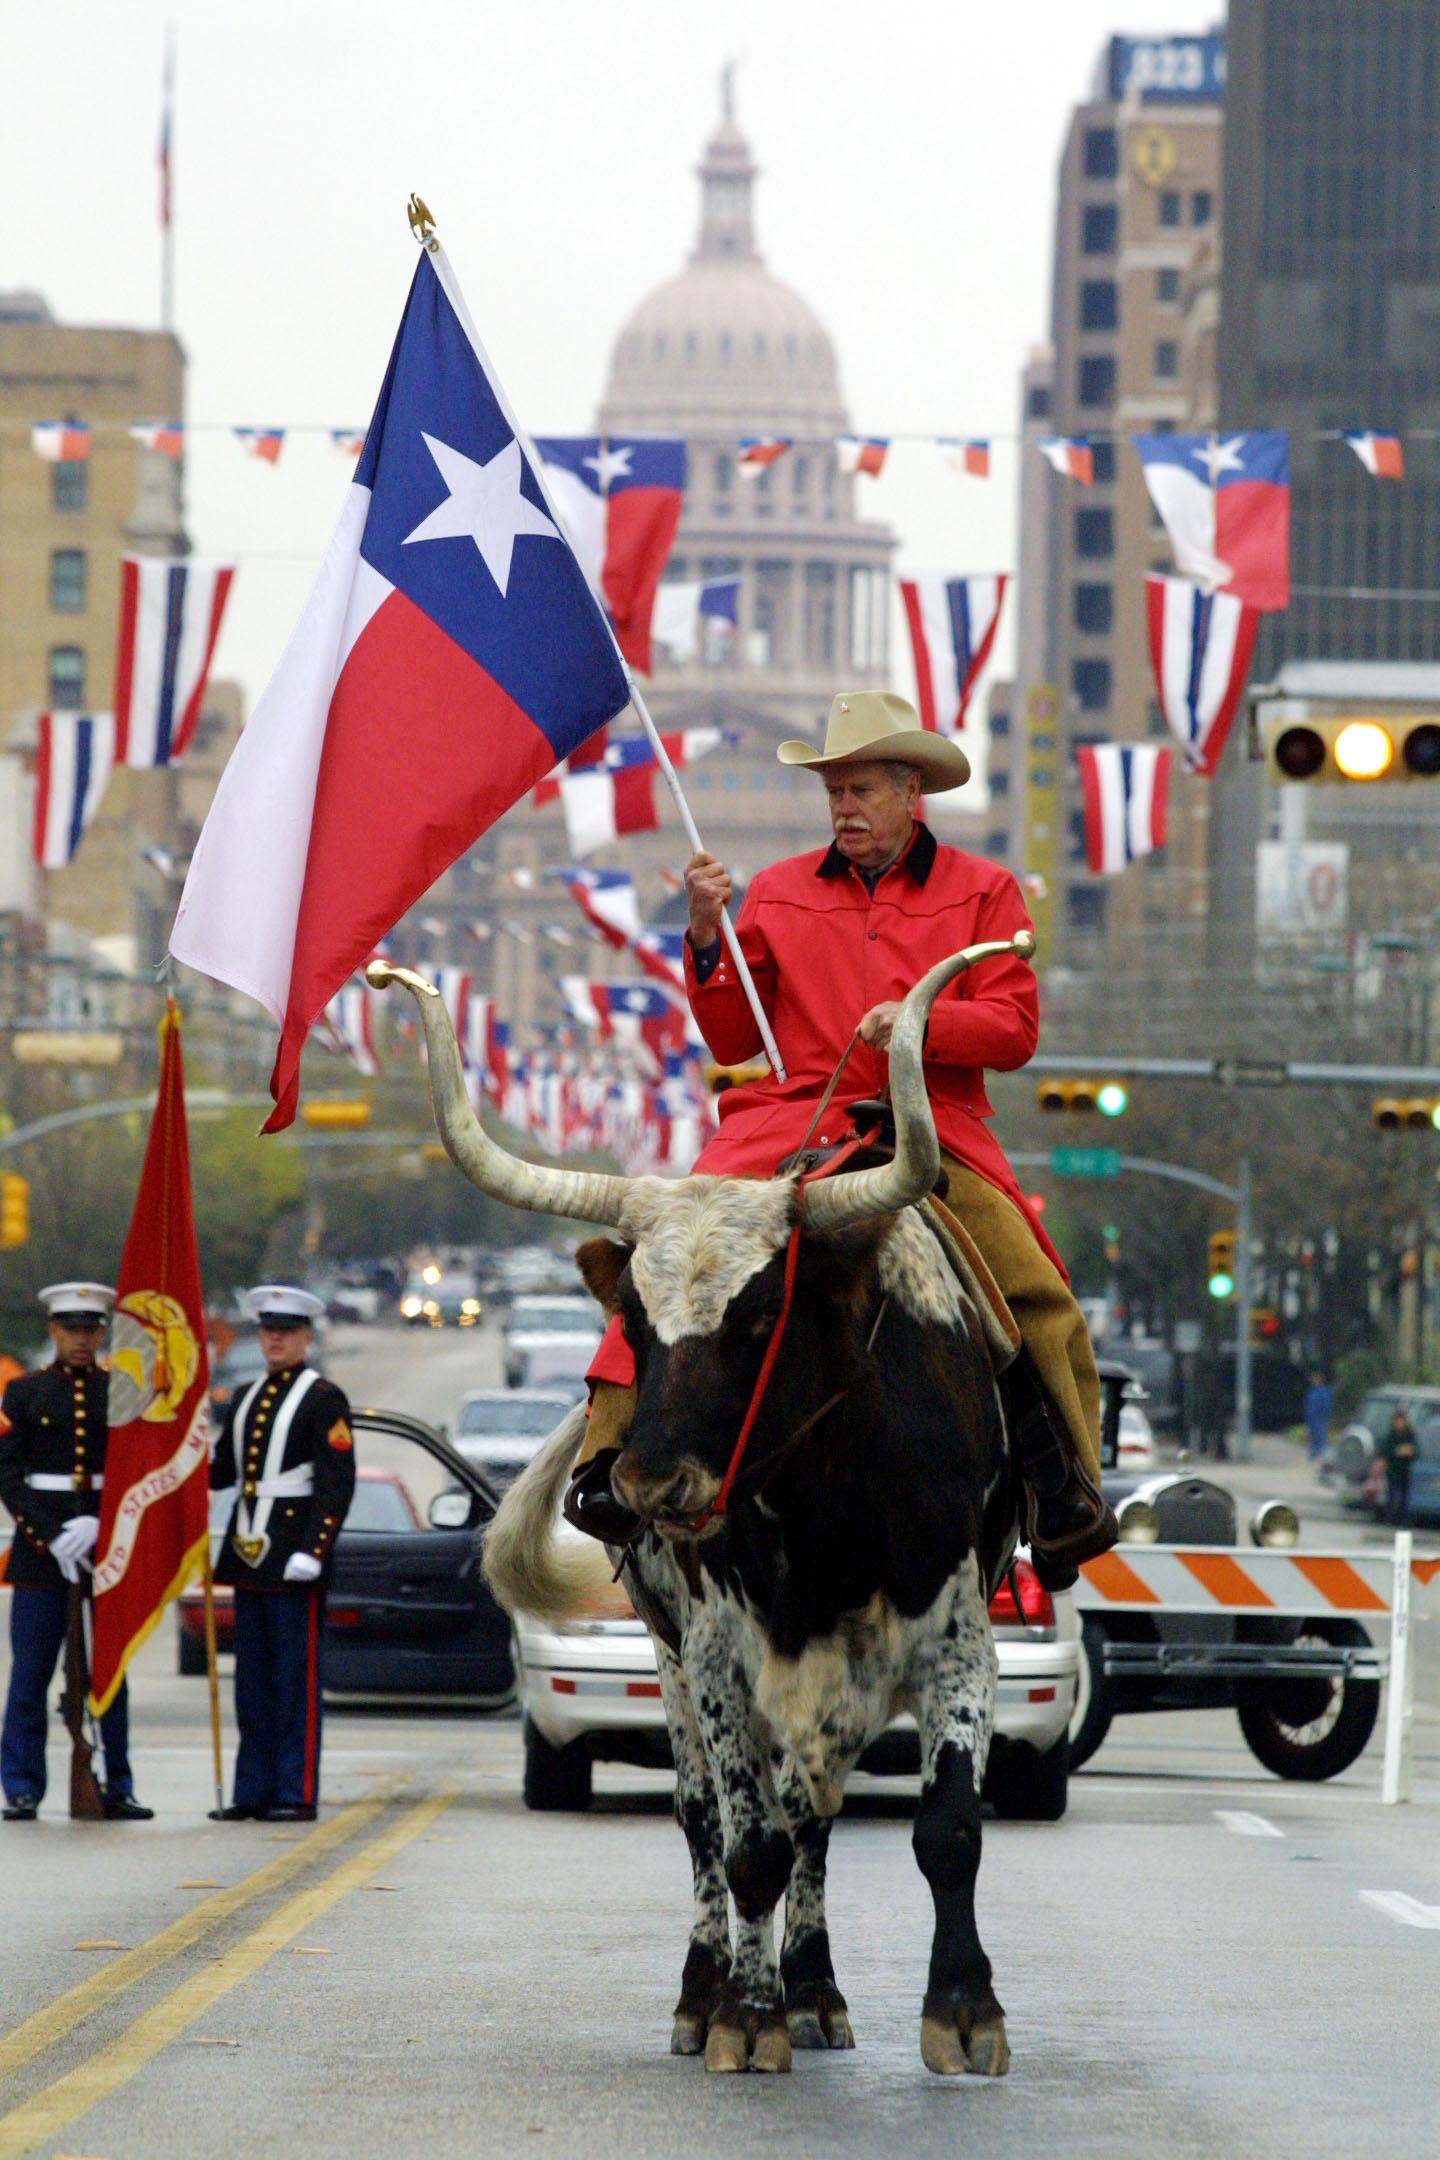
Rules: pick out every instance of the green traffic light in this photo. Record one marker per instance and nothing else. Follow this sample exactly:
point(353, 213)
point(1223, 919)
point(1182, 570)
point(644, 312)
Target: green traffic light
point(1112, 1099)
point(1435, 1115)
point(1221, 1285)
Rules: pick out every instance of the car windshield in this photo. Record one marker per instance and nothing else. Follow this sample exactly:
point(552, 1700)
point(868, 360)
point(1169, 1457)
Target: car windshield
point(511, 1415)
point(242, 1361)
point(558, 1315)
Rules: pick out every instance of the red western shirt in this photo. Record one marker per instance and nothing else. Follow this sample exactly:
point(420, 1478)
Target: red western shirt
point(823, 949)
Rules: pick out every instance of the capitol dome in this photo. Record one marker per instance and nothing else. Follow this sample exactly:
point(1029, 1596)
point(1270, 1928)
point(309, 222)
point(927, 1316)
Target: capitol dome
point(725, 343)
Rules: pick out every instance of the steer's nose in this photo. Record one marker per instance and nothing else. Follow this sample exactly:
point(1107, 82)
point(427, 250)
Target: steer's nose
point(673, 1492)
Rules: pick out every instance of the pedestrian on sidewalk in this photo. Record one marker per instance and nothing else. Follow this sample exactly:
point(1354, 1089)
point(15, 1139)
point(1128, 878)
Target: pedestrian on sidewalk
point(1399, 1450)
point(1319, 1403)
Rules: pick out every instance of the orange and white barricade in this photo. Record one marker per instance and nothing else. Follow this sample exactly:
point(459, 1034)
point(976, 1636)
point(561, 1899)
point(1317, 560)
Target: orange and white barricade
point(1385, 1589)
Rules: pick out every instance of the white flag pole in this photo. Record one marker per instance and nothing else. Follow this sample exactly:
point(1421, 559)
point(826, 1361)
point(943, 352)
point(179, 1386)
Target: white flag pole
point(422, 224)
point(727, 928)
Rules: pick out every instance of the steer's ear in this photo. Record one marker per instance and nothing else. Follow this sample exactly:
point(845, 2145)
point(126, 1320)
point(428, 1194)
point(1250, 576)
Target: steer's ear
point(844, 1260)
point(602, 1262)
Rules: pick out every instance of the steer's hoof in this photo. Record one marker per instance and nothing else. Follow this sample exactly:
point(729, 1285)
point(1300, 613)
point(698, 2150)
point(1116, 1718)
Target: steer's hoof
point(817, 2018)
point(687, 2034)
point(748, 2039)
point(956, 2038)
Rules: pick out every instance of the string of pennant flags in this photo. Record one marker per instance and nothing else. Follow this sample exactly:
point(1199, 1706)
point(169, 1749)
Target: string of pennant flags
point(1380, 450)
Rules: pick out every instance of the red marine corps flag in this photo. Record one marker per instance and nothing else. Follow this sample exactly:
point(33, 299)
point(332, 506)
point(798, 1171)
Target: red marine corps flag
point(155, 1510)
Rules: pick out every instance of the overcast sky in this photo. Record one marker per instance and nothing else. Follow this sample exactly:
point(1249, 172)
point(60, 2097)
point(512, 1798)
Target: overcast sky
point(907, 190)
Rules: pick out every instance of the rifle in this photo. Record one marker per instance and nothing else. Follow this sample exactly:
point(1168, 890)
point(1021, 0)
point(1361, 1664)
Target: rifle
point(87, 1802)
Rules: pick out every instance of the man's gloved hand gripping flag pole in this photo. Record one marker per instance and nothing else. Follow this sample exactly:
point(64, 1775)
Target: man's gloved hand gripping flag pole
point(450, 654)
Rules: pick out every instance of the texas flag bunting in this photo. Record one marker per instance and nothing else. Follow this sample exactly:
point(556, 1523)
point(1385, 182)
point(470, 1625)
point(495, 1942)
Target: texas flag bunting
point(758, 452)
point(1200, 647)
point(171, 609)
point(154, 1513)
point(1070, 455)
point(165, 437)
point(264, 443)
point(74, 758)
point(1225, 500)
point(451, 653)
point(1382, 455)
point(862, 453)
point(971, 458)
point(952, 624)
point(60, 442)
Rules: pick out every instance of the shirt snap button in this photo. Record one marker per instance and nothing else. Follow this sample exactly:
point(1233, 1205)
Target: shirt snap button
point(873, 935)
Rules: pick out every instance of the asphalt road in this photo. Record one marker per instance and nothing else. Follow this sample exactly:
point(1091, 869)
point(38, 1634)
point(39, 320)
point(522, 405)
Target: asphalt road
point(1199, 1960)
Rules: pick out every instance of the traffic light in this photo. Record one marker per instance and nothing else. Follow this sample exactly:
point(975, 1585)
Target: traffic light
point(1405, 1113)
point(1354, 747)
point(335, 1113)
point(14, 1210)
point(1220, 1263)
point(720, 1077)
point(1084, 1097)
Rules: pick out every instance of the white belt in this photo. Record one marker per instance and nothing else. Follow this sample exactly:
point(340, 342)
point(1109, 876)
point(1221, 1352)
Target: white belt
point(52, 1481)
point(288, 1485)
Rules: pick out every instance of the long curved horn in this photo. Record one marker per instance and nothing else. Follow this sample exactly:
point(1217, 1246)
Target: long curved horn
point(586, 1195)
point(850, 1195)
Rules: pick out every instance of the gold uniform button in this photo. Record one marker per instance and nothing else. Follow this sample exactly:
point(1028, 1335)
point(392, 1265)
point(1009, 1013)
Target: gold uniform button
point(249, 1491)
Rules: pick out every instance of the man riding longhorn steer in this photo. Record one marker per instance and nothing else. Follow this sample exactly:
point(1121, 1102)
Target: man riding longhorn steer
point(834, 939)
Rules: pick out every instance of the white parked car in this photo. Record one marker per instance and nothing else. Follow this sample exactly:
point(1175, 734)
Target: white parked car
point(549, 1339)
point(590, 1694)
point(1137, 1440)
point(500, 1430)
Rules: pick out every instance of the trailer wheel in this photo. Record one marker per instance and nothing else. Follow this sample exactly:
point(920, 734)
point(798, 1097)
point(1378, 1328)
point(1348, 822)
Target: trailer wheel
point(1311, 1729)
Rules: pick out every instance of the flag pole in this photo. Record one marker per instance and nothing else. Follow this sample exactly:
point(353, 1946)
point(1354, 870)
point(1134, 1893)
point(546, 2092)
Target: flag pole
point(212, 1672)
point(167, 185)
point(692, 834)
point(422, 224)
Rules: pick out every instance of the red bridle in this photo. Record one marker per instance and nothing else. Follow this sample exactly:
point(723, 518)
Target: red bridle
point(716, 1508)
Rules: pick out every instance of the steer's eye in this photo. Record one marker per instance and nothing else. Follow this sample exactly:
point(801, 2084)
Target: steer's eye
point(763, 1325)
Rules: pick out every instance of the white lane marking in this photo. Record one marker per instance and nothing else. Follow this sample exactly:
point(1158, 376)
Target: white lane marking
point(1399, 1905)
point(1245, 1824)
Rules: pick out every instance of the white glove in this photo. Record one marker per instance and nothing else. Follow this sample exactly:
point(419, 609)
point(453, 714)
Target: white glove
point(70, 1550)
point(300, 1567)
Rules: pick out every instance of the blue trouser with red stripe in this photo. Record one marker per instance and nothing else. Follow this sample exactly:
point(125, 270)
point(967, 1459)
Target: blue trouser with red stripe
point(277, 1697)
point(37, 1636)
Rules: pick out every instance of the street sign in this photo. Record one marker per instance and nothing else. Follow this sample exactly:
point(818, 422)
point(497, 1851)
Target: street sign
point(1250, 1072)
point(1085, 1161)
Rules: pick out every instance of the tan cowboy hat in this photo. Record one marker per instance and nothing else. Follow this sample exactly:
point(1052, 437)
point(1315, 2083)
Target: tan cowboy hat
point(876, 724)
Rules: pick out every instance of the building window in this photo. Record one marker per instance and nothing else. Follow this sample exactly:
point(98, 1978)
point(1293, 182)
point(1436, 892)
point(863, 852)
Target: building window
point(1102, 463)
point(1090, 681)
point(800, 478)
point(1094, 534)
point(1167, 207)
point(1167, 359)
point(1167, 287)
point(1095, 379)
point(723, 476)
point(762, 492)
point(1094, 608)
point(1202, 207)
point(1099, 304)
point(67, 581)
point(999, 726)
point(999, 783)
point(1099, 229)
point(1085, 906)
point(820, 613)
point(724, 344)
point(1100, 154)
point(70, 485)
point(1037, 401)
point(997, 846)
point(67, 678)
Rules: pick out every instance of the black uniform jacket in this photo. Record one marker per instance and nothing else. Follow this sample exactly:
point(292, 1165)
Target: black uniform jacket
point(319, 1441)
point(53, 1429)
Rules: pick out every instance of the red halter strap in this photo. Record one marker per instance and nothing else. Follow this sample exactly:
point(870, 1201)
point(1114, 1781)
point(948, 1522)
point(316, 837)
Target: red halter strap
point(717, 1507)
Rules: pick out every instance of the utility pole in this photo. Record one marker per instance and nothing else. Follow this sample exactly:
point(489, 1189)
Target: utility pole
point(1243, 1389)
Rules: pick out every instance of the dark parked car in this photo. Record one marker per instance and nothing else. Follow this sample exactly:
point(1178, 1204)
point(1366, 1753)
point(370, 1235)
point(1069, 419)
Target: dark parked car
point(1357, 1448)
point(1304, 1689)
point(408, 1612)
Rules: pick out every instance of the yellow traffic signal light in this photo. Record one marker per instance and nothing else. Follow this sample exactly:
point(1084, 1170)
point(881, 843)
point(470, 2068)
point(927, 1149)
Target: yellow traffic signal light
point(335, 1113)
point(1353, 746)
point(1109, 1097)
point(14, 1210)
point(1404, 1113)
point(1220, 1263)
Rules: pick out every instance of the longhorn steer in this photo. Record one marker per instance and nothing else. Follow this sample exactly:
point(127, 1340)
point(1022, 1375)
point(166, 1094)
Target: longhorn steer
point(847, 1579)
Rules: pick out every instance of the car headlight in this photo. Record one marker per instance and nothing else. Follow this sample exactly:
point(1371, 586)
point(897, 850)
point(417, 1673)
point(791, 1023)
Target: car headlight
point(430, 1309)
point(1139, 1523)
point(410, 1307)
point(470, 1305)
point(1275, 1524)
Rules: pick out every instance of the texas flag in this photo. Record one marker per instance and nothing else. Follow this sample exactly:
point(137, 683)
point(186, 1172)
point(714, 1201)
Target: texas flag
point(450, 653)
point(685, 606)
point(166, 437)
point(1380, 454)
point(1125, 787)
point(264, 443)
point(60, 442)
point(619, 500)
point(1200, 646)
point(972, 457)
point(606, 801)
point(862, 453)
point(661, 954)
point(1070, 455)
point(606, 898)
point(952, 624)
point(757, 452)
point(1225, 500)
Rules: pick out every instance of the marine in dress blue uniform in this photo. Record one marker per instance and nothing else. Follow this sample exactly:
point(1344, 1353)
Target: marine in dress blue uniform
point(287, 1449)
point(53, 1430)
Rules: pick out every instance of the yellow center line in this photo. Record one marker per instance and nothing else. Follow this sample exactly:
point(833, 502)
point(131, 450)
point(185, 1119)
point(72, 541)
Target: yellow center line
point(60, 2017)
point(56, 2106)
